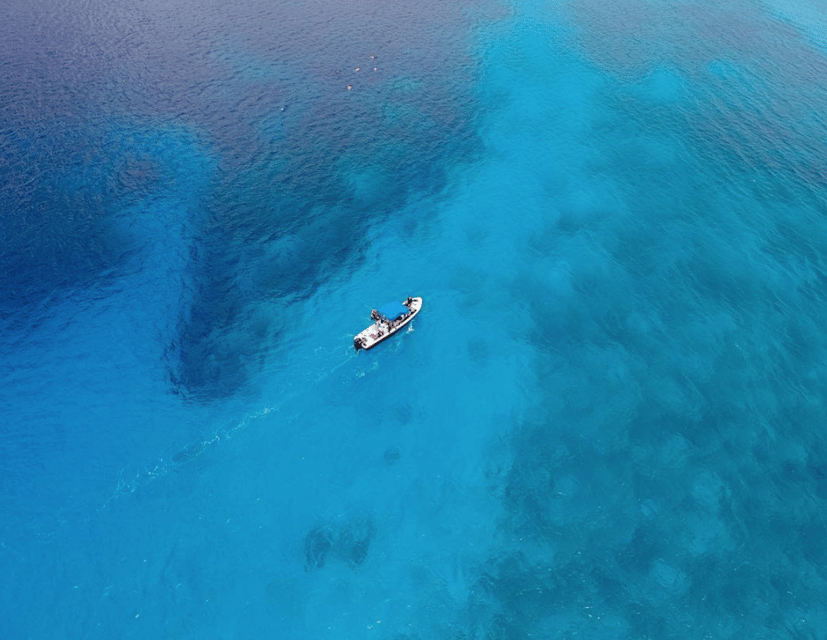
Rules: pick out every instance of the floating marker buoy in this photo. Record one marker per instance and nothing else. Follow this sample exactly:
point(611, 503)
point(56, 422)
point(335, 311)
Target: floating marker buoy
point(349, 87)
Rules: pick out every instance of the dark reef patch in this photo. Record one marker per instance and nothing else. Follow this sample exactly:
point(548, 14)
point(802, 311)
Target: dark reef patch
point(317, 544)
point(348, 541)
point(391, 456)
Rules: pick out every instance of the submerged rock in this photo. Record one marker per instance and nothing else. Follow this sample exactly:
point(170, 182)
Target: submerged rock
point(353, 543)
point(348, 540)
point(392, 455)
point(317, 545)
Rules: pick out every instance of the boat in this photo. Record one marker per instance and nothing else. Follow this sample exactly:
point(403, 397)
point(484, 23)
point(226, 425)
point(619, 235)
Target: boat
point(387, 320)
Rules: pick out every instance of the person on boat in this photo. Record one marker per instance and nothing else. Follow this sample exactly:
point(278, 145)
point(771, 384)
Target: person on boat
point(374, 315)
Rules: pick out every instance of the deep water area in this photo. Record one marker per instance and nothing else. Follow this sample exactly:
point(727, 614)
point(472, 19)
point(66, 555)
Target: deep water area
point(607, 422)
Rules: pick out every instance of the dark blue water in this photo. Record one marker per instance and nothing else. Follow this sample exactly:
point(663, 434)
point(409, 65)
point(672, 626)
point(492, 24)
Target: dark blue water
point(607, 422)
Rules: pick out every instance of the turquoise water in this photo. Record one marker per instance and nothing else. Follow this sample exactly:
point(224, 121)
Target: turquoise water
point(607, 421)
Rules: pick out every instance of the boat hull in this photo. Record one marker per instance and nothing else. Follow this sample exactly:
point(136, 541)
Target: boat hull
point(380, 330)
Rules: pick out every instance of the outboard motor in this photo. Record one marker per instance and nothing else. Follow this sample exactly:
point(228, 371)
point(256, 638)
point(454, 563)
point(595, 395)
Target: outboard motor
point(357, 343)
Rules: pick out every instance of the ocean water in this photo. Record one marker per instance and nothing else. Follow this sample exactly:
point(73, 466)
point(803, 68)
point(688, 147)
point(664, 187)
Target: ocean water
point(608, 422)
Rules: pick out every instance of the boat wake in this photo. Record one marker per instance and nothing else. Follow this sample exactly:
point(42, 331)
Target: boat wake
point(294, 376)
point(315, 369)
